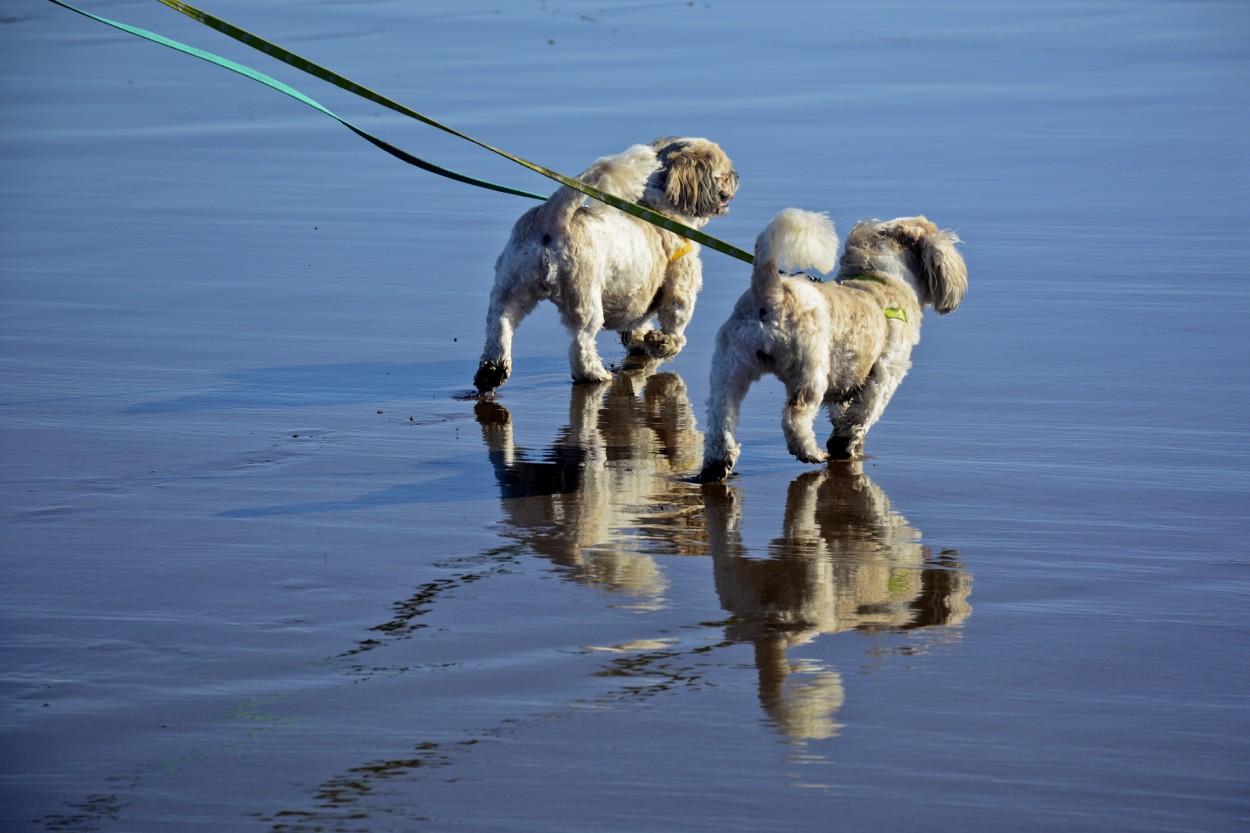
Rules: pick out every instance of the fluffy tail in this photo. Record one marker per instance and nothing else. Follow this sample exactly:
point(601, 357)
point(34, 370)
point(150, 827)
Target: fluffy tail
point(794, 240)
point(624, 175)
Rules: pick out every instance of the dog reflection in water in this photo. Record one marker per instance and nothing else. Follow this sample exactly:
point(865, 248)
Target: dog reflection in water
point(610, 487)
point(845, 561)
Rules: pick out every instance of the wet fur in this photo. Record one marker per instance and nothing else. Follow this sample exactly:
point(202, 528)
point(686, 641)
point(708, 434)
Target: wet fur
point(829, 343)
point(605, 269)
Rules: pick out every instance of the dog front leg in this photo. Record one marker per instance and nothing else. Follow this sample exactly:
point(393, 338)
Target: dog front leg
point(654, 344)
point(675, 310)
point(666, 342)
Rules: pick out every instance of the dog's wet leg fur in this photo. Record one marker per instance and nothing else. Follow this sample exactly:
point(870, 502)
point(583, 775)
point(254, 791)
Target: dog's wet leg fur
point(507, 309)
point(797, 418)
point(490, 375)
point(675, 309)
point(730, 383)
point(861, 412)
point(585, 321)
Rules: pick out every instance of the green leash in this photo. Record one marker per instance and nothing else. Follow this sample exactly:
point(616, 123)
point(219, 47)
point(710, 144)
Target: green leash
point(318, 71)
point(298, 96)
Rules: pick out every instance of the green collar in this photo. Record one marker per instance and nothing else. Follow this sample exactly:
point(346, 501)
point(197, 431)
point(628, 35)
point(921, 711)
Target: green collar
point(890, 312)
point(873, 278)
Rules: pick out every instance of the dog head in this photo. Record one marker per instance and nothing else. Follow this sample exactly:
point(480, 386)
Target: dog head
point(696, 179)
point(910, 247)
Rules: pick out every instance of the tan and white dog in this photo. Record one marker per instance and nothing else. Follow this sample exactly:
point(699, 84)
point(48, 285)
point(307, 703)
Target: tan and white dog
point(605, 269)
point(845, 344)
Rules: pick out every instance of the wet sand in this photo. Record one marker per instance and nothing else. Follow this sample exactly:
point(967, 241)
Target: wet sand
point(268, 567)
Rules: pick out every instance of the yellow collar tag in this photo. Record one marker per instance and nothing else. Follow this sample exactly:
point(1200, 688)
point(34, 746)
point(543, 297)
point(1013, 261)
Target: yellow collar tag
point(682, 252)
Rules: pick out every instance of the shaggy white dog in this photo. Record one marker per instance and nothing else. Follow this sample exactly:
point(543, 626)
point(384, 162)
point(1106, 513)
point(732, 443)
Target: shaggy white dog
point(605, 269)
point(846, 343)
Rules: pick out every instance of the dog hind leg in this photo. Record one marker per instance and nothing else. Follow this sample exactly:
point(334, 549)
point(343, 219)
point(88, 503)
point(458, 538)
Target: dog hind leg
point(797, 418)
point(729, 384)
point(508, 307)
point(852, 421)
point(585, 321)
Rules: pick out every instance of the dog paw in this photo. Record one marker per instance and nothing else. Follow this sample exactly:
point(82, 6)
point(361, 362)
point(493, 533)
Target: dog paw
point(843, 448)
point(662, 345)
point(634, 342)
point(592, 376)
point(808, 455)
point(715, 471)
point(491, 374)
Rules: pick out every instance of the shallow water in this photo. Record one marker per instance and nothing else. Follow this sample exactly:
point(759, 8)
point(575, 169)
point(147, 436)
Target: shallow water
point(267, 568)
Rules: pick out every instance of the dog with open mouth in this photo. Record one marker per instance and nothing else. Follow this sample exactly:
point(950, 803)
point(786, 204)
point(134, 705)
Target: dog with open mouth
point(606, 269)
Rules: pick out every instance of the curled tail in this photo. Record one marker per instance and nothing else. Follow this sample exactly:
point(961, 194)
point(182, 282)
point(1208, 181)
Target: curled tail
point(794, 240)
point(624, 175)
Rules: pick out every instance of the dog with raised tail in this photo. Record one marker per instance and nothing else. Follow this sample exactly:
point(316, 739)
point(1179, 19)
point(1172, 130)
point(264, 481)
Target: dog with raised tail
point(606, 269)
point(845, 343)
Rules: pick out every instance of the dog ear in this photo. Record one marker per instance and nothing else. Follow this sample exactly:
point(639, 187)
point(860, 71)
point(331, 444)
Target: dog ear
point(690, 185)
point(945, 271)
point(945, 274)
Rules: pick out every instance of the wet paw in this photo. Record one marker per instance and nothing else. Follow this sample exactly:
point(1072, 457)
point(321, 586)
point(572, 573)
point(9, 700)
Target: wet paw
point(809, 455)
point(592, 376)
point(843, 448)
point(491, 374)
point(715, 471)
point(634, 342)
point(662, 345)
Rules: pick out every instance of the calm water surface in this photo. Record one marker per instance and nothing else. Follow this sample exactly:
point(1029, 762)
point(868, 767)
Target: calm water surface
point(266, 567)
